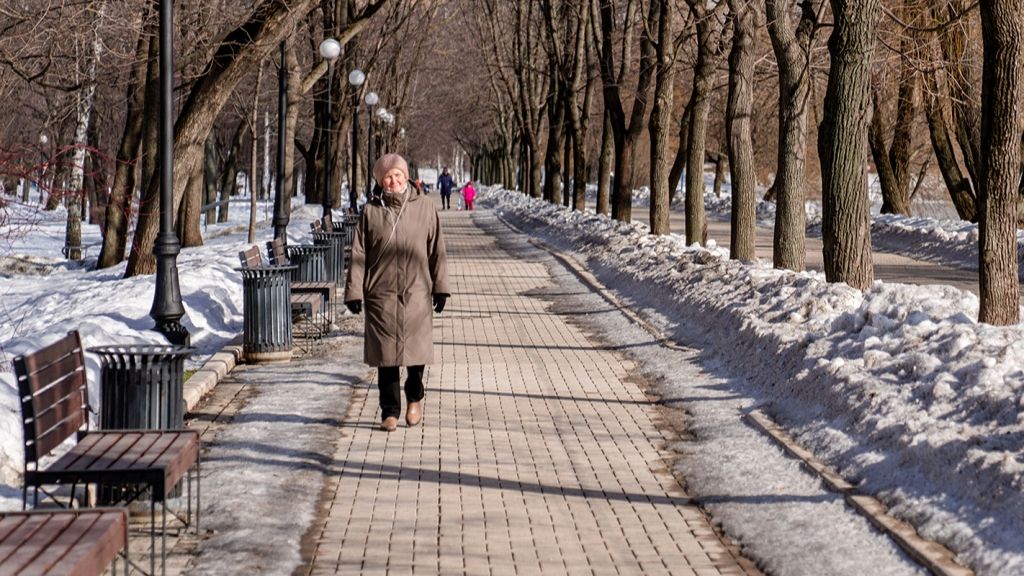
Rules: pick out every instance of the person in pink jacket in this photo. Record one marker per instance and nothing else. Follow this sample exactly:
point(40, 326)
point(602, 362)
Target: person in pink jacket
point(468, 194)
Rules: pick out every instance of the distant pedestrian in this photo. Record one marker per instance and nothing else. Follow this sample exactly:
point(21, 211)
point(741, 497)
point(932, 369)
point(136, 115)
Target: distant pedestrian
point(468, 194)
point(399, 269)
point(445, 185)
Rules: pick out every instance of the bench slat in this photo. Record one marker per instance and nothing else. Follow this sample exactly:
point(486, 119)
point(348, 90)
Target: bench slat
point(63, 542)
point(39, 359)
point(89, 453)
point(31, 539)
point(103, 535)
point(138, 450)
point(9, 525)
point(56, 379)
point(178, 458)
point(59, 423)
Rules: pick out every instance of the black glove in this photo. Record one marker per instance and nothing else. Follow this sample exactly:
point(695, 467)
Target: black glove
point(439, 301)
point(354, 306)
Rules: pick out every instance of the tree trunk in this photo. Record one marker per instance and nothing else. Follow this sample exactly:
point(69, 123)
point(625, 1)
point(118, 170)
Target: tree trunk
point(535, 172)
point(893, 162)
point(210, 178)
point(567, 156)
point(746, 15)
point(95, 178)
point(961, 81)
point(682, 153)
point(709, 30)
point(1002, 120)
point(661, 119)
point(83, 116)
point(721, 162)
point(604, 166)
point(552, 155)
point(842, 140)
point(190, 210)
point(254, 141)
point(891, 198)
point(792, 51)
point(149, 183)
point(236, 57)
point(961, 191)
point(612, 78)
point(291, 127)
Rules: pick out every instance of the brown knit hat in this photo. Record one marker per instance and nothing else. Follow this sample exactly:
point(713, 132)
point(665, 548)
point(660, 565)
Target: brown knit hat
point(387, 163)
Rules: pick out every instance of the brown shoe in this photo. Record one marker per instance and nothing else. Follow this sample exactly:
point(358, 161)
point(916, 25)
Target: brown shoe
point(414, 413)
point(389, 424)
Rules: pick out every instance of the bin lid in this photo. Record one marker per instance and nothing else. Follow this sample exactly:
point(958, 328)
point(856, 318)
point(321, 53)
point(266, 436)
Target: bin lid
point(113, 351)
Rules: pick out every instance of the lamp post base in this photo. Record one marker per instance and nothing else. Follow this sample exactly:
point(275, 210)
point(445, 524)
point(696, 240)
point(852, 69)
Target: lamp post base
point(174, 331)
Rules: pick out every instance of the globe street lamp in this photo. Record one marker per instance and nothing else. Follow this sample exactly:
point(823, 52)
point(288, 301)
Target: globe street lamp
point(330, 49)
point(167, 308)
point(371, 100)
point(356, 79)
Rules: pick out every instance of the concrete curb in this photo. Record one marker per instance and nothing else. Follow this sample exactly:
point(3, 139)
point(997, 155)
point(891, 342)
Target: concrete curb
point(212, 372)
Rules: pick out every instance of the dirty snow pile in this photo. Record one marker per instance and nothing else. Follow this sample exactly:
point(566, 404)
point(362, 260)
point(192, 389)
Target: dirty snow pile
point(898, 388)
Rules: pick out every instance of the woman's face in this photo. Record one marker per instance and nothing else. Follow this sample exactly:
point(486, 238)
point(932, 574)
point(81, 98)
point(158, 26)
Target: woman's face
point(394, 181)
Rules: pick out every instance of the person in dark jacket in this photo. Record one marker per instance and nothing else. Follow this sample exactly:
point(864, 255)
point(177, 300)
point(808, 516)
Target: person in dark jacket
point(445, 184)
point(399, 278)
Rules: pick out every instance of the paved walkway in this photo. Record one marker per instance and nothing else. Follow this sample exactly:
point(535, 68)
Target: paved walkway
point(539, 453)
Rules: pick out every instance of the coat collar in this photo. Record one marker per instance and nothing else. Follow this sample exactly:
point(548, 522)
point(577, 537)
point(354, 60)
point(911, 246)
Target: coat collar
point(411, 194)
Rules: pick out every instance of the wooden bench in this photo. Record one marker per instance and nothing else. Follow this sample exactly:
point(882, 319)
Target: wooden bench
point(307, 317)
point(54, 398)
point(63, 542)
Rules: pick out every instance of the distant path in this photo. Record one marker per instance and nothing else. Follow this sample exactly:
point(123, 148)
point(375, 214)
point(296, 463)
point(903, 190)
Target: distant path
point(888, 267)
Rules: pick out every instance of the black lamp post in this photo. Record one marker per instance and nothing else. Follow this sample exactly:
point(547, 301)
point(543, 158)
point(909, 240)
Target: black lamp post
point(280, 209)
point(167, 309)
point(371, 100)
point(356, 79)
point(329, 50)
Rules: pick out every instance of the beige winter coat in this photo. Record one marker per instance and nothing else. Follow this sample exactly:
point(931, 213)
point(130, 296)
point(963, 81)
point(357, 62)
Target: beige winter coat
point(396, 278)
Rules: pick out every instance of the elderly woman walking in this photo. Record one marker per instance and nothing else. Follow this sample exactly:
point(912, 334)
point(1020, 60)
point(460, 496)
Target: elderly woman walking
point(398, 273)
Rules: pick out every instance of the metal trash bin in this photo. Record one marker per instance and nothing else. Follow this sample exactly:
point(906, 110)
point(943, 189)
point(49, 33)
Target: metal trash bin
point(267, 313)
point(310, 262)
point(141, 386)
point(335, 256)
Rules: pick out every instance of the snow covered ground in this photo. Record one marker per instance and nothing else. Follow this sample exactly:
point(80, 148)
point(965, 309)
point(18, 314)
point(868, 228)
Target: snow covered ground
point(899, 388)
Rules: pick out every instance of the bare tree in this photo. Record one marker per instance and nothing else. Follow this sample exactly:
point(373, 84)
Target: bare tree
point(118, 211)
point(661, 14)
point(842, 141)
point(613, 78)
point(710, 27)
point(792, 47)
point(1002, 120)
point(746, 15)
point(892, 155)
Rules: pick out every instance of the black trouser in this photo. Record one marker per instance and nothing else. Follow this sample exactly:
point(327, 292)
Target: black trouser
point(390, 396)
point(446, 200)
